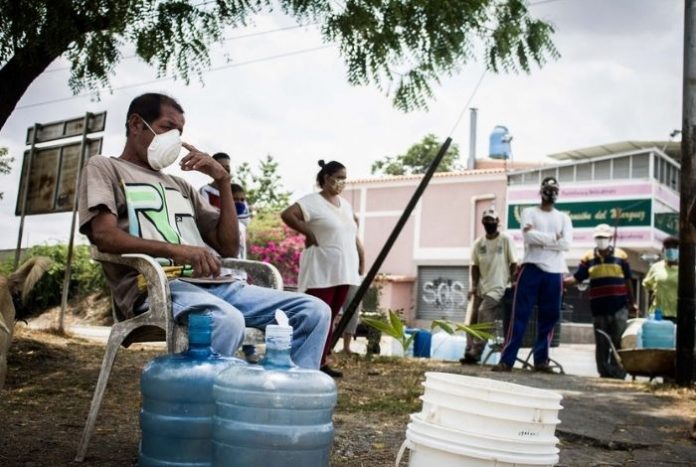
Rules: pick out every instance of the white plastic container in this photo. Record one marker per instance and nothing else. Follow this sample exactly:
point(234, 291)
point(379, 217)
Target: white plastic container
point(495, 405)
point(490, 389)
point(449, 347)
point(475, 440)
point(494, 408)
point(426, 451)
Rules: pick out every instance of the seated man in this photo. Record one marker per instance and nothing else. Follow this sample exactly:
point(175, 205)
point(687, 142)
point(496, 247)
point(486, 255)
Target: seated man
point(127, 205)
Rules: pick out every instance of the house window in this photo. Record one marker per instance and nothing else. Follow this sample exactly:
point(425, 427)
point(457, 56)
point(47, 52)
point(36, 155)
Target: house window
point(566, 174)
point(583, 172)
point(602, 170)
point(622, 167)
point(640, 166)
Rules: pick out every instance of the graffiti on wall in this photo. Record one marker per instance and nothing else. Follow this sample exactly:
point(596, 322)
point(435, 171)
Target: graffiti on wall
point(444, 293)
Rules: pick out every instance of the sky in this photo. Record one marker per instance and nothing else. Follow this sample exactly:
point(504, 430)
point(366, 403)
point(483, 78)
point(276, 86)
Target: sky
point(285, 93)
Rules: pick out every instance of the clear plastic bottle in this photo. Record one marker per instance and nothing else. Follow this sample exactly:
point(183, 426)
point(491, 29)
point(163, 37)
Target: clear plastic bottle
point(273, 414)
point(177, 411)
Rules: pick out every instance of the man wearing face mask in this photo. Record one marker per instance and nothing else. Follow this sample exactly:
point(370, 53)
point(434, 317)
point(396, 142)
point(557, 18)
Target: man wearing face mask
point(611, 297)
point(211, 192)
point(128, 205)
point(547, 234)
point(662, 278)
point(493, 265)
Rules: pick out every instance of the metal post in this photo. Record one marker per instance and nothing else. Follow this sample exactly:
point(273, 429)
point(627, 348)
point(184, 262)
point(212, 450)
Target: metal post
point(471, 163)
point(687, 231)
point(25, 195)
point(372, 273)
point(68, 262)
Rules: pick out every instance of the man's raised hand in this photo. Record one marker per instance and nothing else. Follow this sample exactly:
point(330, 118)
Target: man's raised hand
point(202, 162)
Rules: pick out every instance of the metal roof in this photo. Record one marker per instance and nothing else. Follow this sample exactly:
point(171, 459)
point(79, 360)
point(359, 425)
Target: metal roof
point(671, 148)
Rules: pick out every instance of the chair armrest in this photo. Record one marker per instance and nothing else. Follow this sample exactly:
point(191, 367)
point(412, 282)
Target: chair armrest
point(157, 284)
point(263, 274)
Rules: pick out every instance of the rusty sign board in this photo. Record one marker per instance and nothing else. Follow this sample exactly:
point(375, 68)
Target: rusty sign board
point(53, 176)
point(67, 128)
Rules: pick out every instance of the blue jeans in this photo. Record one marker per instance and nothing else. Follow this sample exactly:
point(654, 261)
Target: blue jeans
point(237, 305)
point(534, 286)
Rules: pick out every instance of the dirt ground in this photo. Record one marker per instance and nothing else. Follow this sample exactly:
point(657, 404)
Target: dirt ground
point(51, 379)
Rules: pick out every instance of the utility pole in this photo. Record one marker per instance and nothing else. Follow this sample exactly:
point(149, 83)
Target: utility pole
point(687, 204)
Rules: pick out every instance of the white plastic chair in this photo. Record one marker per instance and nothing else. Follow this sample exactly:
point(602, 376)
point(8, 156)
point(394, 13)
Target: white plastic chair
point(157, 324)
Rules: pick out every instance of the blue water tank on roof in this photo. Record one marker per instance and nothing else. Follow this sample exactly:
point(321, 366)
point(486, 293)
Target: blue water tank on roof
point(499, 143)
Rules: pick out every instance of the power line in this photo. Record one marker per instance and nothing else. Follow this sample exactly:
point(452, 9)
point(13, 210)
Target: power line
point(466, 106)
point(232, 38)
point(540, 2)
point(143, 83)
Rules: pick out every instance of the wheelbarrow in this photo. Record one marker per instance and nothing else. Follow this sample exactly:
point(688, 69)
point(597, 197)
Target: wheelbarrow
point(644, 362)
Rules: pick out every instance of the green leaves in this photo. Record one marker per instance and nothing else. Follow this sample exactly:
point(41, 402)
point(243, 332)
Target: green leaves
point(418, 158)
point(403, 47)
point(264, 188)
point(5, 164)
point(481, 331)
point(394, 327)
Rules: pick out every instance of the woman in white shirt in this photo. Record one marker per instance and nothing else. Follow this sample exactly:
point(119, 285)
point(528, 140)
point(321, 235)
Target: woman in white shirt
point(333, 258)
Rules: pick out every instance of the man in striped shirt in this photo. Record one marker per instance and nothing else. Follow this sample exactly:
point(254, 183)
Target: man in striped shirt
point(611, 296)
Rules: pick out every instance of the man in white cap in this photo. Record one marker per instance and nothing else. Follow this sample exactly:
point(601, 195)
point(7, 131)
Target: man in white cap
point(493, 266)
point(611, 296)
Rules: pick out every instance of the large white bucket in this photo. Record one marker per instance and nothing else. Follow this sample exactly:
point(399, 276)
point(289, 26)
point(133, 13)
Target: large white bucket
point(525, 412)
point(487, 443)
point(494, 408)
point(499, 391)
point(426, 451)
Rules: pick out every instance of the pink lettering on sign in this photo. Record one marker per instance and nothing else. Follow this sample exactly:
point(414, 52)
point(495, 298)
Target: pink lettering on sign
point(583, 192)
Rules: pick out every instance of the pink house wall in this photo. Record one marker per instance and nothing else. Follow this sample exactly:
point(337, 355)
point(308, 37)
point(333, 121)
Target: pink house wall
point(450, 219)
point(400, 258)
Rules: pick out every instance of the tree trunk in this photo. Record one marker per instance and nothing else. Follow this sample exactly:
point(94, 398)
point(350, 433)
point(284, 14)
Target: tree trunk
point(20, 71)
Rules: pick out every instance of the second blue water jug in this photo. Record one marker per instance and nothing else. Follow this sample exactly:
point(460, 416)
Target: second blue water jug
point(658, 334)
point(273, 414)
point(177, 401)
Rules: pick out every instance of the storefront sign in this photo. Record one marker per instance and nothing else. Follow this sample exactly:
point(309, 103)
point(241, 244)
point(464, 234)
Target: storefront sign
point(668, 222)
point(632, 212)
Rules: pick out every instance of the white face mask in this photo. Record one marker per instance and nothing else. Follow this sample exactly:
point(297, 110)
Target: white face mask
point(164, 148)
point(602, 243)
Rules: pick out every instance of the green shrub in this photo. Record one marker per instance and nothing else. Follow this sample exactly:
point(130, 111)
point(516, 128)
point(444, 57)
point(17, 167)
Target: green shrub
point(86, 276)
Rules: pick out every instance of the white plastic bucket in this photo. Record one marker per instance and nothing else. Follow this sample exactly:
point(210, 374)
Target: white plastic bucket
point(426, 451)
point(487, 443)
point(486, 424)
point(500, 391)
point(472, 401)
point(494, 408)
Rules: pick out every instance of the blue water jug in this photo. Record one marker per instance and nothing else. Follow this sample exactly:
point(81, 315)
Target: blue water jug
point(658, 334)
point(273, 414)
point(421, 343)
point(177, 411)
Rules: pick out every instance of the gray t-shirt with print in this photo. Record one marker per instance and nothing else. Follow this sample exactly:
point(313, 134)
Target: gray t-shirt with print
point(147, 204)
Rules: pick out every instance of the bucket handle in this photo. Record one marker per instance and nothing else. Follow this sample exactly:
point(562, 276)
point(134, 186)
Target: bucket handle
point(402, 449)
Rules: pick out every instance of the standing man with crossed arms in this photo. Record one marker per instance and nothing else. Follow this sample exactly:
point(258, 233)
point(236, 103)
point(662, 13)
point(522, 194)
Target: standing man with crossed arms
point(547, 234)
